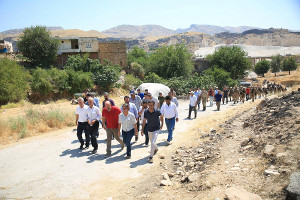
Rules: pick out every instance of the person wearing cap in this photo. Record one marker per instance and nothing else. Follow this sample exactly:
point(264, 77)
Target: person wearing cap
point(141, 94)
point(106, 98)
point(137, 101)
point(128, 122)
point(170, 113)
point(192, 105)
point(161, 100)
point(133, 110)
point(142, 109)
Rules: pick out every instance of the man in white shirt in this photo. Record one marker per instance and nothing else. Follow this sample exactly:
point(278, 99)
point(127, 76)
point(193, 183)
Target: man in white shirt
point(81, 122)
point(93, 117)
point(142, 109)
point(170, 112)
point(193, 104)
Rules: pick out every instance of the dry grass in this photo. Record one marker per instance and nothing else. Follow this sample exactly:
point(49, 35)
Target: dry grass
point(34, 122)
point(15, 105)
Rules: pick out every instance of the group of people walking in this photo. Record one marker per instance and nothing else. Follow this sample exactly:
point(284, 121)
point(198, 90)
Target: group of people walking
point(125, 121)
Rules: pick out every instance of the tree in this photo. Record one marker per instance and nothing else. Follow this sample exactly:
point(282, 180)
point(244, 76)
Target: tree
point(262, 67)
point(221, 77)
point(137, 55)
point(13, 80)
point(38, 46)
point(289, 64)
point(276, 63)
point(171, 61)
point(232, 59)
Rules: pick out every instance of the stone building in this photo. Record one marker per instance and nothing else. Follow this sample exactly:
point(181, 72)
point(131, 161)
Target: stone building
point(114, 51)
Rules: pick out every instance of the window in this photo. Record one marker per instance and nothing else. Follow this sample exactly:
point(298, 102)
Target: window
point(62, 41)
point(88, 45)
point(74, 44)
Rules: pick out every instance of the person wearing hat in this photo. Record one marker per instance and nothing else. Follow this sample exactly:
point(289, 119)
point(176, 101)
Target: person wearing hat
point(192, 105)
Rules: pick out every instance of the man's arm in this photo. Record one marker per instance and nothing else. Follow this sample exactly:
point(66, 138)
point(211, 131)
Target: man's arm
point(176, 113)
point(143, 127)
point(103, 121)
point(161, 121)
point(77, 117)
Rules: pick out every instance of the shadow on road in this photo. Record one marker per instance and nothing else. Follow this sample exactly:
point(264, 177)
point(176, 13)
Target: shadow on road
point(75, 153)
point(139, 162)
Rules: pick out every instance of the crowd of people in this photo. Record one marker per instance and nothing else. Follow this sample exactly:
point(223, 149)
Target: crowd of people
point(150, 113)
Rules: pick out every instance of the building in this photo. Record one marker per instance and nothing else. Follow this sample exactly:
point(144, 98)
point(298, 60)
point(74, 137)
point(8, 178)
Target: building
point(112, 51)
point(5, 46)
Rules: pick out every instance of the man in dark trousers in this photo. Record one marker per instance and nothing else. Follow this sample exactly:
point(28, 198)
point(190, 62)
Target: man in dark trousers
point(93, 117)
point(81, 122)
point(218, 98)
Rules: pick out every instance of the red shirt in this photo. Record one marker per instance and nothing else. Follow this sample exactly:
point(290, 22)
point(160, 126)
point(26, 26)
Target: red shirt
point(248, 90)
point(111, 117)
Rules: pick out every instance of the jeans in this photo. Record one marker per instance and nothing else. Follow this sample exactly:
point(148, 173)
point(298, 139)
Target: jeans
point(191, 109)
point(93, 132)
point(146, 134)
point(127, 136)
point(153, 136)
point(211, 100)
point(170, 123)
point(82, 126)
point(218, 104)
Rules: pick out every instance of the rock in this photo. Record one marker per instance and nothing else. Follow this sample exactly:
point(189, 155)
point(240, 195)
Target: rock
point(166, 183)
point(246, 124)
point(184, 179)
point(239, 193)
point(293, 188)
point(162, 157)
point(269, 150)
point(193, 177)
point(269, 127)
point(245, 141)
point(272, 171)
point(212, 130)
point(281, 155)
point(166, 176)
point(261, 105)
point(170, 175)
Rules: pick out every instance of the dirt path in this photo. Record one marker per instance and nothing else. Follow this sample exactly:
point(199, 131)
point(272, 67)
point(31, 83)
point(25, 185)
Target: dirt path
point(53, 167)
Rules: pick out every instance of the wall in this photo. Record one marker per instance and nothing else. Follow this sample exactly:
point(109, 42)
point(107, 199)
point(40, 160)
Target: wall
point(85, 44)
point(114, 51)
point(62, 58)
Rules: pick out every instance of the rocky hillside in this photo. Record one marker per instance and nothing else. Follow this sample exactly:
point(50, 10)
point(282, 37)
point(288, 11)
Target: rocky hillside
point(17, 31)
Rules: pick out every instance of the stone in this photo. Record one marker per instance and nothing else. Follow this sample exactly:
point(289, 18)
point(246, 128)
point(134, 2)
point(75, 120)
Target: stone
point(162, 157)
point(245, 141)
point(166, 176)
point(272, 171)
point(269, 150)
point(239, 193)
point(261, 105)
point(246, 124)
point(184, 179)
point(281, 155)
point(212, 130)
point(193, 177)
point(269, 127)
point(170, 175)
point(166, 183)
point(293, 188)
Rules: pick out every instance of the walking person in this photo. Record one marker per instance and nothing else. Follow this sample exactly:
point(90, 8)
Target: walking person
point(133, 110)
point(110, 124)
point(211, 95)
point(247, 93)
point(218, 98)
point(128, 123)
point(81, 122)
point(161, 99)
point(204, 97)
point(192, 105)
point(155, 124)
point(173, 99)
point(225, 95)
point(170, 113)
point(93, 117)
point(106, 98)
point(142, 110)
point(141, 94)
point(137, 101)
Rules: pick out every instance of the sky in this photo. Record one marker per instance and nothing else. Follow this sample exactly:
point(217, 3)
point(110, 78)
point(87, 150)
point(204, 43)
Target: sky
point(104, 14)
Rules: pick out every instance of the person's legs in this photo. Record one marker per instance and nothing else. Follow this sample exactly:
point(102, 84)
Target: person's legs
point(109, 134)
point(171, 128)
point(204, 103)
point(127, 140)
point(218, 104)
point(93, 134)
point(211, 99)
point(116, 135)
point(190, 111)
point(146, 134)
point(79, 134)
point(87, 135)
point(195, 111)
point(167, 123)
point(153, 137)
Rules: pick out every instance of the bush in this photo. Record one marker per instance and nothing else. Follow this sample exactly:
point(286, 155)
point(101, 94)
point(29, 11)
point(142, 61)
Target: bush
point(154, 78)
point(59, 80)
point(41, 83)
point(131, 81)
point(79, 81)
point(38, 46)
point(232, 59)
point(289, 64)
point(137, 55)
point(137, 70)
point(221, 77)
point(262, 67)
point(13, 80)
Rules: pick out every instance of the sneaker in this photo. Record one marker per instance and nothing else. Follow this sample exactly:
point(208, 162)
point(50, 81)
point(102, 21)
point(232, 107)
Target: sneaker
point(168, 142)
point(128, 157)
point(86, 147)
point(81, 147)
point(155, 151)
point(150, 160)
point(146, 145)
point(94, 151)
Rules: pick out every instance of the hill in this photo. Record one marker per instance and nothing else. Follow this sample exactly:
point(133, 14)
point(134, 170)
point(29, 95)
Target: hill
point(77, 33)
point(17, 31)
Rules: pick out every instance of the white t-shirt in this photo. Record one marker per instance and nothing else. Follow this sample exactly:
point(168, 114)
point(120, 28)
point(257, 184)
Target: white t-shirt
point(127, 122)
point(82, 113)
point(169, 111)
point(193, 100)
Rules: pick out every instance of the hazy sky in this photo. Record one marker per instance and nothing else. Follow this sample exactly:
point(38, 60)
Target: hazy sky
point(104, 14)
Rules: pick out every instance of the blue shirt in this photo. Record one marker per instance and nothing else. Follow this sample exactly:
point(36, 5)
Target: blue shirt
point(132, 109)
point(196, 94)
point(96, 100)
point(87, 103)
point(218, 97)
point(152, 119)
point(141, 95)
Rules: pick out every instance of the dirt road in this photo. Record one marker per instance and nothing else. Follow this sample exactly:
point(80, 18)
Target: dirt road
point(53, 167)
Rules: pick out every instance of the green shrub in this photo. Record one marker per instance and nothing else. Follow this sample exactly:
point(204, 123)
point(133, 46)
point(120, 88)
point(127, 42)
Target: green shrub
point(13, 80)
point(79, 81)
point(262, 67)
point(137, 70)
point(154, 78)
point(41, 83)
point(221, 77)
point(130, 80)
point(59, 80)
